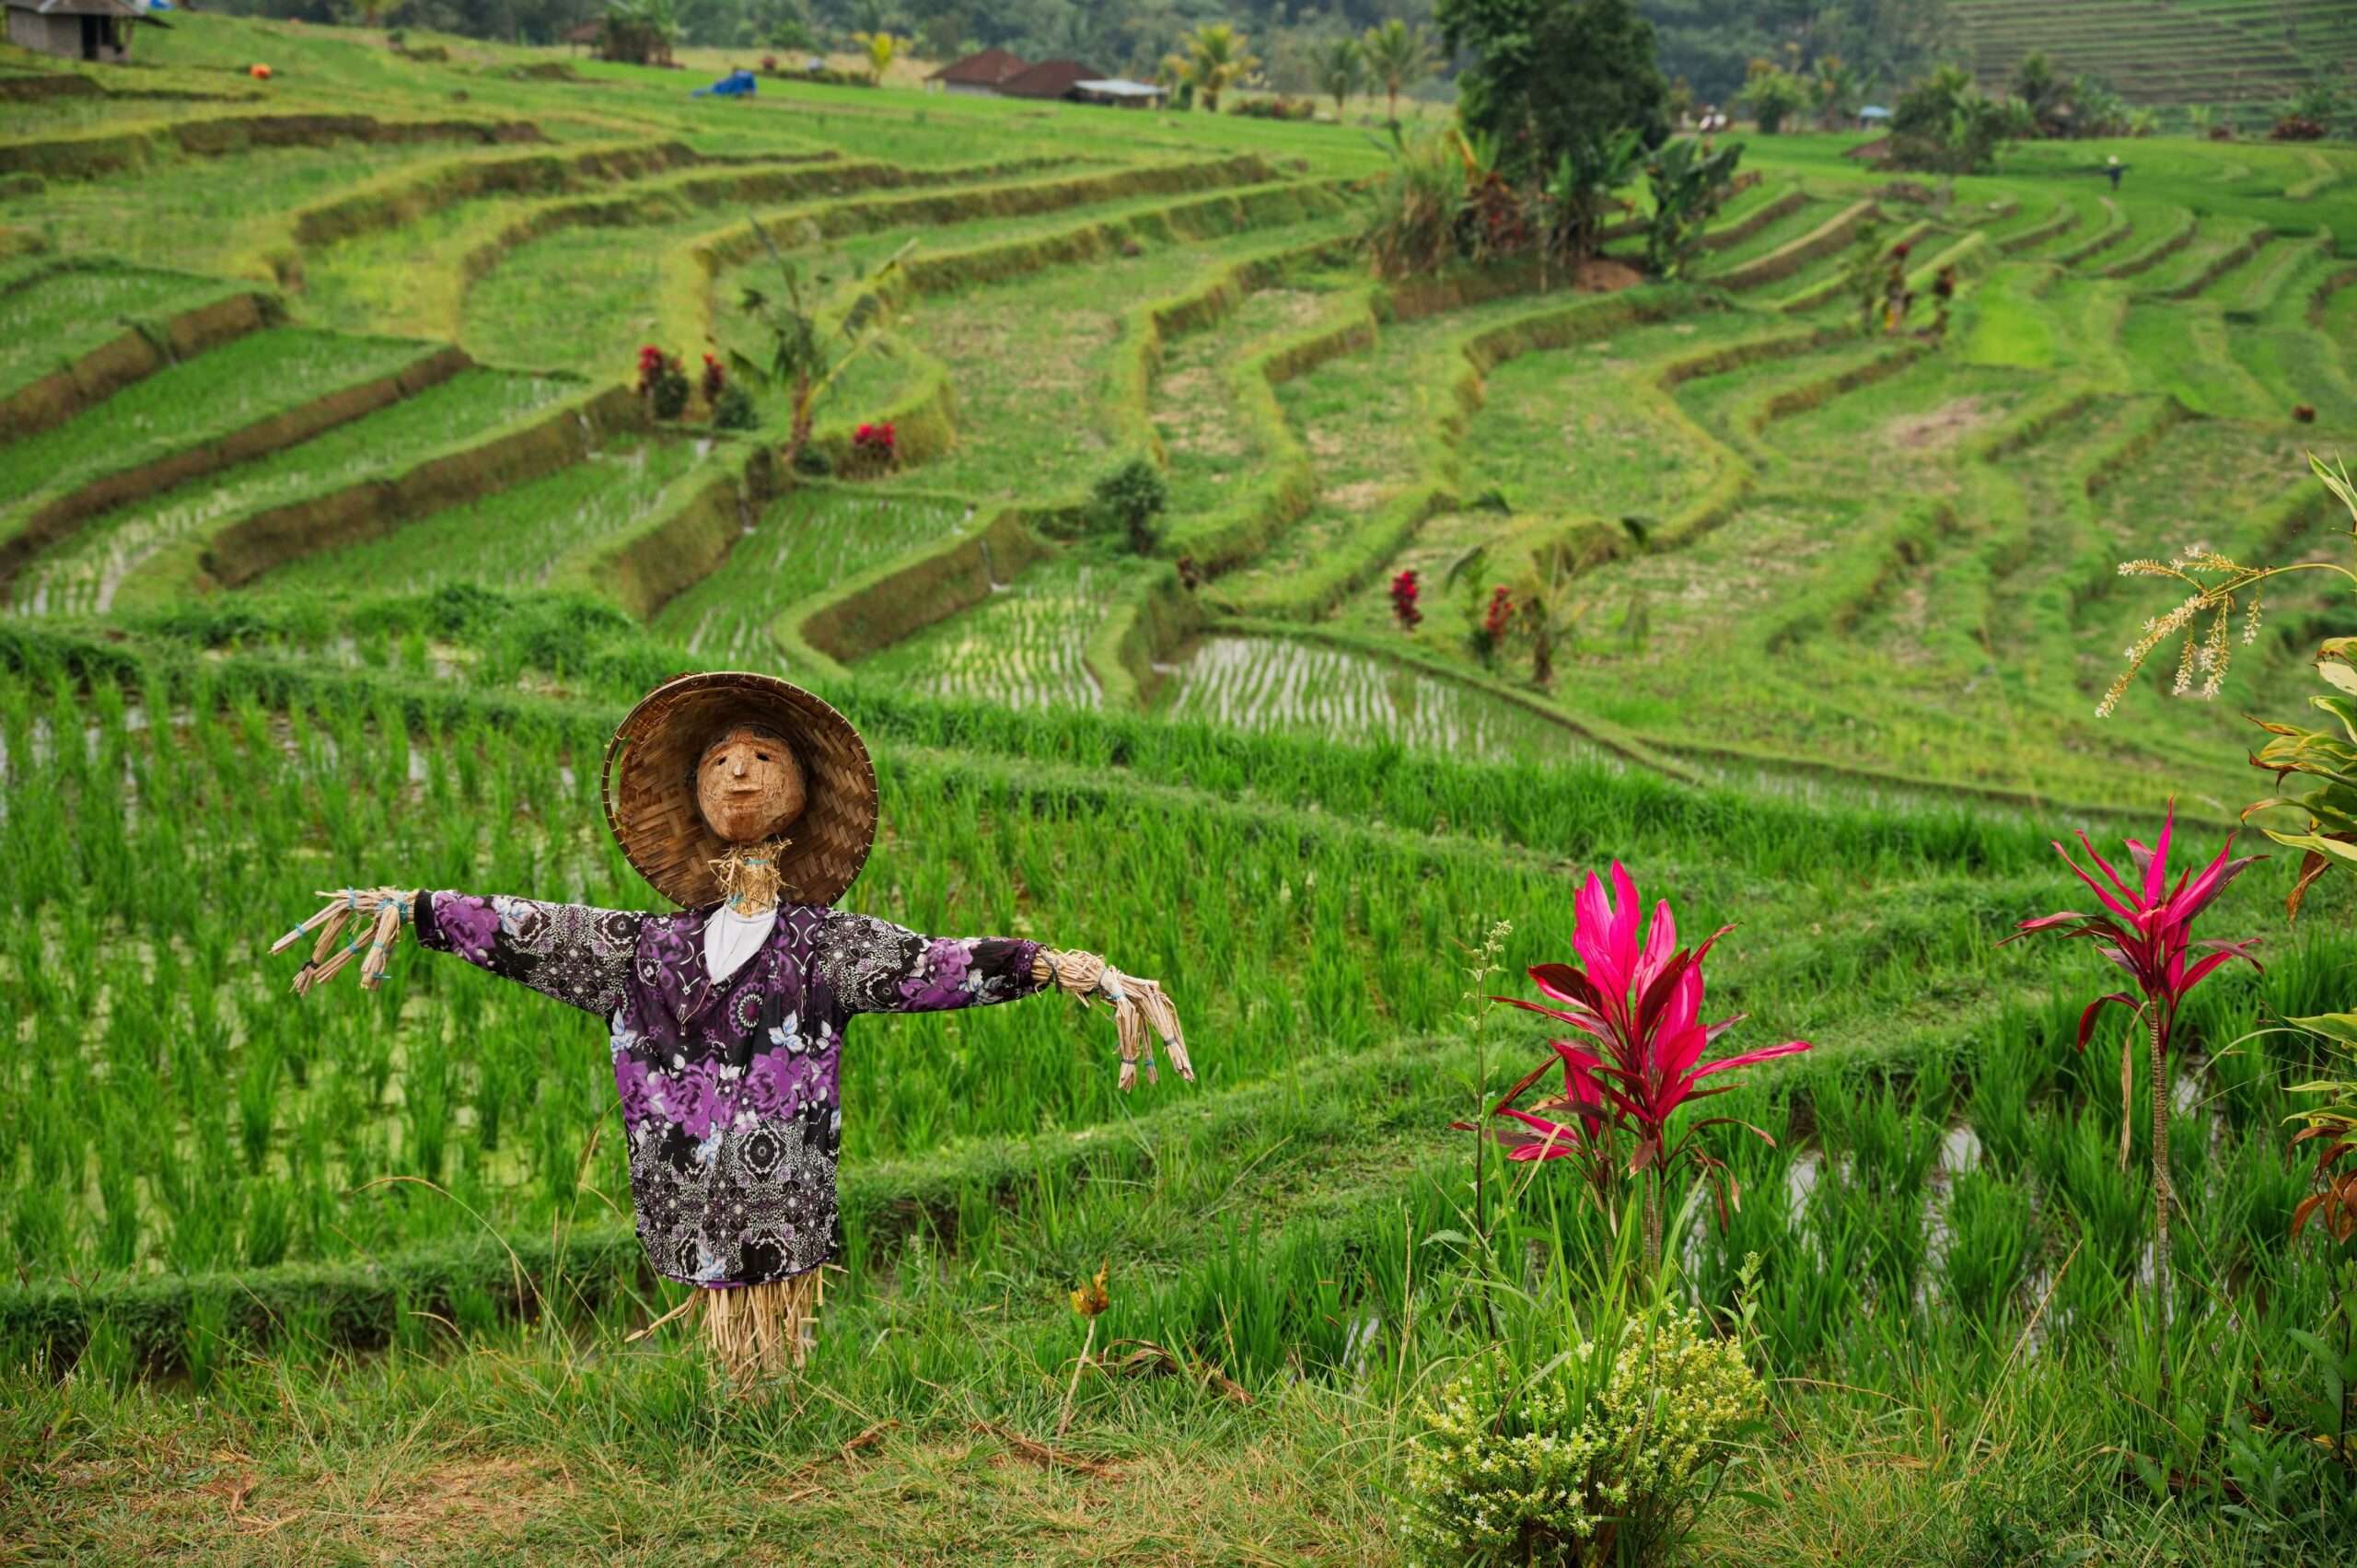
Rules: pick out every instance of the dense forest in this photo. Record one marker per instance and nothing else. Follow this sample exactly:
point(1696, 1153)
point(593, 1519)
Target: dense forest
point(1707, 43)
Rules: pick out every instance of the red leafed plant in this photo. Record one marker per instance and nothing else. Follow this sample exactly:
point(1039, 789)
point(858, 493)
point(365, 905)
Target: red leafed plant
point(2146, 928)
point(1637, 1004)
point(662, 382)
point(874, 448)
point(1405, 590)
point(651, 361)
point(1500, 614)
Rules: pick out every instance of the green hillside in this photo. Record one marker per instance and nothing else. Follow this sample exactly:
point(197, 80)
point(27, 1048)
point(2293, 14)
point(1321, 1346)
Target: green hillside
point(2235, 55)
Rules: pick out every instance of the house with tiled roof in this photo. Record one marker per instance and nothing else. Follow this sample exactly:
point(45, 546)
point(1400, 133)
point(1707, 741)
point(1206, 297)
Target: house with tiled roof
point(980, 72)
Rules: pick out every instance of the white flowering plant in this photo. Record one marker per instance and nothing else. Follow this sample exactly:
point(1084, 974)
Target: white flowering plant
point(1607, 1453)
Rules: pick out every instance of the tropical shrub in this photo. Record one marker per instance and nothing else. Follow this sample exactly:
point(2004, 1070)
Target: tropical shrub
point(2097, 109)
point(1636, 998)
point(1944, 125)
point(1130, 501)
point(2309, 116)
point(1606, 1455)
point(2147, 930)
point(733, 409)
point(1773, 95)
point(1415, 225)
point(1277, 107)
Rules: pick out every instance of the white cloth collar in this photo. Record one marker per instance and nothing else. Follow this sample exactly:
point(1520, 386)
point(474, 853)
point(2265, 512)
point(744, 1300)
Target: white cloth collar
point(730, 939)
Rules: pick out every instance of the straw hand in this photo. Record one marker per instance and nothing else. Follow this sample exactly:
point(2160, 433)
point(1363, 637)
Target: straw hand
point(1139, 1006)
point(372, 915)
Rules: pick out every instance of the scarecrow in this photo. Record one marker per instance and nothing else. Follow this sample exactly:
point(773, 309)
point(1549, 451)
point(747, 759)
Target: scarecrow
point(751, 804)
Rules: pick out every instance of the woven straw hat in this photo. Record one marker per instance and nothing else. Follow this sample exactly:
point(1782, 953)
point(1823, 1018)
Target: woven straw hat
point(650, 789)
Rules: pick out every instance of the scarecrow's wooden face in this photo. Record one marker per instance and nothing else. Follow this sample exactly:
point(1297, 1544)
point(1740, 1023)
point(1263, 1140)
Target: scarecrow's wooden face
point(749, 786)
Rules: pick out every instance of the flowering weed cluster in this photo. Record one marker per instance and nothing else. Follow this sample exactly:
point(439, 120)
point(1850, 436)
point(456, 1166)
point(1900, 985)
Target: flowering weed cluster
point(1590, 1460)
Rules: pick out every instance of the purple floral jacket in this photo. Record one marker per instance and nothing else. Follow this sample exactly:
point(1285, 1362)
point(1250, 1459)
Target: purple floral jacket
point(728, 1087)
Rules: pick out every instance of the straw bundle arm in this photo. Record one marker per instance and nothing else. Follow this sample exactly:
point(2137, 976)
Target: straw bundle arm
point(373, 915)
point(1139, 1006)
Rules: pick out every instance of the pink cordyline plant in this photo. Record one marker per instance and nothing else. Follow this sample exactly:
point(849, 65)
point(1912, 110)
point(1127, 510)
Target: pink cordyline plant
point(2147, 930)
point(1638, 1003)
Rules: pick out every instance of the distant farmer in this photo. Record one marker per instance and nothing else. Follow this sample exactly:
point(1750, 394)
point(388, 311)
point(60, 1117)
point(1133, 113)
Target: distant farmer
point(751, 803)
point(2115, 169)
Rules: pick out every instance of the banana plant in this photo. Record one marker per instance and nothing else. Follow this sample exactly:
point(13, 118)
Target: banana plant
point(805, 359)
point(1689, 183)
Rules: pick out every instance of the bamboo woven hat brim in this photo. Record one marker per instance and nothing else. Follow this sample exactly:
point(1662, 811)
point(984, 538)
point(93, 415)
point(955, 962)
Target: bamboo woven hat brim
point(651, 797)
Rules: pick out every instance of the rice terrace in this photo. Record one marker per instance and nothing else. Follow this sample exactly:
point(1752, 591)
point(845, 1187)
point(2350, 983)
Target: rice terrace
point(1311, 556)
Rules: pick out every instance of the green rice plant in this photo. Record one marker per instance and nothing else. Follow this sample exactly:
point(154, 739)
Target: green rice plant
point(1990, 1245)
point(2077, 1159)
point(55, 318)
point(85, 571)
point(1021, 647)
point(521, 535)
point(235, 385)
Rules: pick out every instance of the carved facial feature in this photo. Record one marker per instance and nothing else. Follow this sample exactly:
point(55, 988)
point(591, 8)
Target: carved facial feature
point(748, 785)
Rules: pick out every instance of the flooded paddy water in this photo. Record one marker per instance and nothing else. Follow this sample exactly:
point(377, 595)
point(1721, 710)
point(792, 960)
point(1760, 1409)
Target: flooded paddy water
point(1275, 683)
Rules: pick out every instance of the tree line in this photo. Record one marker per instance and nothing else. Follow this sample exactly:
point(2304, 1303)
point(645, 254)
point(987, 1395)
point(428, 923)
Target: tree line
point(1706, 45)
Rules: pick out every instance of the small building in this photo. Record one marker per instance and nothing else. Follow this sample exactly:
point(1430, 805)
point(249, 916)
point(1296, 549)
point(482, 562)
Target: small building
point(77, 29)
point(1121, 93)
point(1048, 79)
point(980, 74)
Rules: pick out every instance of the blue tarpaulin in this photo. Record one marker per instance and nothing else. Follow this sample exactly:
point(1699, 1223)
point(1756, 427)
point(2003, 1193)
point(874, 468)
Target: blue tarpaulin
point(737, 84)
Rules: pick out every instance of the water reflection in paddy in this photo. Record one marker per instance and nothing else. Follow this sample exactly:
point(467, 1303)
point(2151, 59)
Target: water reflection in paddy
point(1274, 683)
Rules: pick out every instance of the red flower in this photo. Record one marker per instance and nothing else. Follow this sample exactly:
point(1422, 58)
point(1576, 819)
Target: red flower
point(1898, 252)
point(715, 379)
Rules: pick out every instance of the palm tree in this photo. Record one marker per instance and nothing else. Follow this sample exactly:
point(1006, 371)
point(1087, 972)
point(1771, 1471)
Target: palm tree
point(1398, 56)
point(882, 48)
point(1216, 61)
point(2045, 93)
point(1835, 93)
point(1341, 70)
